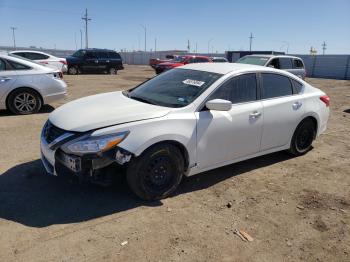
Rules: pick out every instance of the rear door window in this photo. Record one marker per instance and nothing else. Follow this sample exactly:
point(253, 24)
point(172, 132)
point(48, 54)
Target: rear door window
point(201, 60)
point(90, 55)
point(298, 63)
point(285, 63)
point(239, 89)
point(103, 55)
point(18, 66)
point(275, 85)
point(35, 56)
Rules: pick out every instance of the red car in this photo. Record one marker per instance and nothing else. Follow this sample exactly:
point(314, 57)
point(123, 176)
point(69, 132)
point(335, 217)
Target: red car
point(180, 61)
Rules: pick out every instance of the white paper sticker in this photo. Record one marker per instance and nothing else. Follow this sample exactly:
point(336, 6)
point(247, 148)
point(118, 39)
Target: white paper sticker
point(193, 82)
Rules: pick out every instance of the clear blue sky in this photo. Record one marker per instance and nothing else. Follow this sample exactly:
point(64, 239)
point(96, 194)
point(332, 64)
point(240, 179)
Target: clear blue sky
point(116, 24)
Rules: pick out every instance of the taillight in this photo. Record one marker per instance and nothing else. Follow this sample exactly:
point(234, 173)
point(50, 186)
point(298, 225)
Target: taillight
point(325, 99)
point(63, 62)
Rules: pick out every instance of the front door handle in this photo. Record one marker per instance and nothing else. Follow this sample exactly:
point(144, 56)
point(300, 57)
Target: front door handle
point(297, 105)
point(4, 79)
point(255, 114)
point(96, 61)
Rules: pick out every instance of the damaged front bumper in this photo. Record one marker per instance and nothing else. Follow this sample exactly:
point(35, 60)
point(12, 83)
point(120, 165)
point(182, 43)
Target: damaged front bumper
point(91, 167)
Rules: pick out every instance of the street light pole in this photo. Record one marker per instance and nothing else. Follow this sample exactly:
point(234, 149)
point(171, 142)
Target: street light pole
point(86, 19)
point(13, 35)
point(144, 28)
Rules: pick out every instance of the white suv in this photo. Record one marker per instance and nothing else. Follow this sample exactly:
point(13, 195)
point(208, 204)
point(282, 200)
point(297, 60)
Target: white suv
point(291, 64)
point(185, 121)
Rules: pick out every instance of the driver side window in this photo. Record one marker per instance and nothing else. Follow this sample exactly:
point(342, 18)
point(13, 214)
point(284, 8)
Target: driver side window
point(275, 63)
point(239, 89)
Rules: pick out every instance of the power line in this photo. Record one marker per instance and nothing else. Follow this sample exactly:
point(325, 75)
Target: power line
point(13, 35)
point(250, 41)
point(86, 19)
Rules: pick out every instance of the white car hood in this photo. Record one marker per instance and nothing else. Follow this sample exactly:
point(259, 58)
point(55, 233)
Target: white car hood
point(103, 110)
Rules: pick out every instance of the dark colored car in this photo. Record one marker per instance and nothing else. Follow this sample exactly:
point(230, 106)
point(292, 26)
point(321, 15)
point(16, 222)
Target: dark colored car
point(180, 61)
point(94, 60)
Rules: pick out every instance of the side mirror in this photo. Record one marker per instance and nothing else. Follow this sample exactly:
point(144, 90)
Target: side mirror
point(219, 105)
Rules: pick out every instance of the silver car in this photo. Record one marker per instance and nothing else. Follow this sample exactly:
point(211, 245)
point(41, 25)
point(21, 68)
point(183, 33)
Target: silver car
point(26, 86)
point(292, 64)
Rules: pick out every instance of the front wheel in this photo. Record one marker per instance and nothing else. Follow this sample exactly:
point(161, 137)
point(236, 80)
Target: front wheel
point(303, 137)
point(156, 173)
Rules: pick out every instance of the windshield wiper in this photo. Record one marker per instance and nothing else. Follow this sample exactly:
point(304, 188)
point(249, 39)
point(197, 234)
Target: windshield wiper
point(142, 100)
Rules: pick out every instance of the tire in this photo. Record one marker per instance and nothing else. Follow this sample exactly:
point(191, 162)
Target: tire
point(112, 71)
point(24, 101)
point(143, 173)
point(303, 137)
point(73, 70)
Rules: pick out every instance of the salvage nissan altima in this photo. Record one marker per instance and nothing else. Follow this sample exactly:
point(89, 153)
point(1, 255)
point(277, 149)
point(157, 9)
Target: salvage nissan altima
point(185, 121)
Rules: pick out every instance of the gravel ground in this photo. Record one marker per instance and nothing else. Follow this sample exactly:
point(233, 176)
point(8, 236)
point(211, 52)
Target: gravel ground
point(294, 208)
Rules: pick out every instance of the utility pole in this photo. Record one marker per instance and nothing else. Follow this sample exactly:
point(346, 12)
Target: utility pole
point(324, 47)
point(86, 19)
point(196, 48)
point(250, 41)
point(188, 46)
point(155, 46)
point(144, 28)
point(209, 44)
point(13, 35)
point(81, 39)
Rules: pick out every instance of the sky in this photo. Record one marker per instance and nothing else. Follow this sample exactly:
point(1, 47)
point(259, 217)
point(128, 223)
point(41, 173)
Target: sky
point(220, 24)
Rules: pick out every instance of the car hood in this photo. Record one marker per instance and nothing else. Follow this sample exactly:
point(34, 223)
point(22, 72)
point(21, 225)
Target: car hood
point(103, 110)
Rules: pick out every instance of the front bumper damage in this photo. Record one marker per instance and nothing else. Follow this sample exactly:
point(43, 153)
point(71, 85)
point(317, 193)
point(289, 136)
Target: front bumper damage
point(100, 168)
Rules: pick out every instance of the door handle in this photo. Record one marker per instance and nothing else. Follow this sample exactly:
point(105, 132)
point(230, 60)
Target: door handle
point(297, 105)
point(4, 79)
point(107, 61)
point(96, 61)
point(255, 114)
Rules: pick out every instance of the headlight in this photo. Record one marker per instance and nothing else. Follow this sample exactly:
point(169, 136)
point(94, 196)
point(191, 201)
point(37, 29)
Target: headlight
point(97, 144)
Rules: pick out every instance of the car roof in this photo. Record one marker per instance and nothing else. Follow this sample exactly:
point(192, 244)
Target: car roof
point(32, 51)
point(5, 55)
point(270, 56)
point(225, 68)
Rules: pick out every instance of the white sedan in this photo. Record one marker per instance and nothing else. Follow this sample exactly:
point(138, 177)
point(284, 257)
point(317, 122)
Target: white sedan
point(43, 59)
point(188, 120)
point(26, 86)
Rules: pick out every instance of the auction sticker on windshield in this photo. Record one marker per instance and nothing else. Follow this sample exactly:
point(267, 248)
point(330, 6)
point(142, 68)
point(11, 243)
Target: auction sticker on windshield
point(193, 82)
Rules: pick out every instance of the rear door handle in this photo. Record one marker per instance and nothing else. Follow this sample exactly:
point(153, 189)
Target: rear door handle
point(255, 114)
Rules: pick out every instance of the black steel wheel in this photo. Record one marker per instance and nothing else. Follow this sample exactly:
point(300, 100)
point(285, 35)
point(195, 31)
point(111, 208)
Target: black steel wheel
point(157, 172)
point(303, 137)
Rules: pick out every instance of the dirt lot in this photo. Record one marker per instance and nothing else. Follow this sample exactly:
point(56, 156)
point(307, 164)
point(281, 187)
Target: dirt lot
point(294, 208)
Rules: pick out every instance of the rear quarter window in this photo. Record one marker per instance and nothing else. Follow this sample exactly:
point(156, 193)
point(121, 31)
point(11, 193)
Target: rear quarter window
point(298, 87)
point(17, 66)
point(297, 63)
point(114, 55)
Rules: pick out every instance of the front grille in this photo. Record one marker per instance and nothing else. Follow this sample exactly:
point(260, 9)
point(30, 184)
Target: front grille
point(52, 132)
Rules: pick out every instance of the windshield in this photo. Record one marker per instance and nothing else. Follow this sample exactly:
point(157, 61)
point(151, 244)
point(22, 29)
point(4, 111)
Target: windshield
point(179, 59)
point(174, 88)
point(253, 60)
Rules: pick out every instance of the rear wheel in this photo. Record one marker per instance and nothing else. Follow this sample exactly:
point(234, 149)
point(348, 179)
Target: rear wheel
point(73, 70)
point(303, 137)
point(24, 101)
point(156, 173)
point(112, 71)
